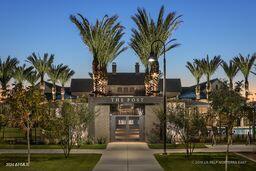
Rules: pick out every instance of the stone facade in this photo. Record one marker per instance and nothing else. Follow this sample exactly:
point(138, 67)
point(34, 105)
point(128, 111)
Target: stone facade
point(101, 123)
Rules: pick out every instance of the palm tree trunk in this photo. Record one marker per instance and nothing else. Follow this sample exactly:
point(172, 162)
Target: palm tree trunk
point(95, 76)
point(53, 93)
point(230, 84)
point(154, 73)
point(246, 86)
point(208, 87)
point(197, 91)
point(62, 93)
point(147, 83)
point(42, 85)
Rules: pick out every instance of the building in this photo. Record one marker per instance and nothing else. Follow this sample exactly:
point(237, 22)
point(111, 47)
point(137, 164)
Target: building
point(125, 114)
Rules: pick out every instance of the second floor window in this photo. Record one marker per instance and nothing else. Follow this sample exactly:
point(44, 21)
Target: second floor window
point(119, 89)
point(125, 89)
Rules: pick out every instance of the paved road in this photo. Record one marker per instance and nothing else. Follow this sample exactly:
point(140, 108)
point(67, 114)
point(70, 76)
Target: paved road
point(128, 156)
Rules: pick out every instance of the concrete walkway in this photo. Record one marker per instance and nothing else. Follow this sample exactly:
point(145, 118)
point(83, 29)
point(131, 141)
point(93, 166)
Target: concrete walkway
point(128, 156)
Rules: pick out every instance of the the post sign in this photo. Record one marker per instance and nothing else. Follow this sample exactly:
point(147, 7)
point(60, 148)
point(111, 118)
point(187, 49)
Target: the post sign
point(123, 99)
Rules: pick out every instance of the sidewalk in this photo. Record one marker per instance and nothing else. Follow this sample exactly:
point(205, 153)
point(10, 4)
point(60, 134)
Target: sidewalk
point(128, 156)
point(216, 148)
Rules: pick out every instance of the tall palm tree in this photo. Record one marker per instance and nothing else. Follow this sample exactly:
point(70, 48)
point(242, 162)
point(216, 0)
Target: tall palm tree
point(197, 72)
point(54, 75)
point(146, 33)
point(231, 70)
point(42, 66)
point(209, 67)
point(7, 68)
point(32, 78)
point(21, 73)
point(245, 65)
point(104, 42)
point(63, 79)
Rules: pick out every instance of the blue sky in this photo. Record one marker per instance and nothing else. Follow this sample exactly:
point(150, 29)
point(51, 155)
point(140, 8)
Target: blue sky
point(217, 27)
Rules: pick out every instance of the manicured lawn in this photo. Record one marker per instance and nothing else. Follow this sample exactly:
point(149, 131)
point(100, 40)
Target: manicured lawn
point(50, 162)
point(21, 146)
point(198, 162)
point(173, 146)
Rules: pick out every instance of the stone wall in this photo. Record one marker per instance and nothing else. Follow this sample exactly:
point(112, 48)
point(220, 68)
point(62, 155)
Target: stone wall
point(101, 124)
point(150, 119)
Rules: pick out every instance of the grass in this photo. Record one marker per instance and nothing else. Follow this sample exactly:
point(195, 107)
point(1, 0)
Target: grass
point(197, 162)
point(23, 146)
point(50, 162)
point(174, 146)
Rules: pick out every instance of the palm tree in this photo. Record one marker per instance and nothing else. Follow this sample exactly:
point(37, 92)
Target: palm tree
point(32, 78)
point(64, 78)
point(7, 68)
point(197, 72)
point(104, 42)
point(209, 67)
point(146, 33)
point(54, 75)
point(42, 66)
point(231, 71)
point(21, 73)
point(245, 65)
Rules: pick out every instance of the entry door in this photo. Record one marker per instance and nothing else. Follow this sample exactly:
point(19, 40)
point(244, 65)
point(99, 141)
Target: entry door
point(127, 128)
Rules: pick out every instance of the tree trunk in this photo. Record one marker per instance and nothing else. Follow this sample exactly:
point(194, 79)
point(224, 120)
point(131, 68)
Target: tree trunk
point(147, 83)
point(246, 86)
point(95, 76)
point(53, 93)
point(227, 151)
point(62, 93)
point(42, 85)
point(230, 84)
point(28, 141)
point(197, 91)
point(208, 88)
point(154, 74)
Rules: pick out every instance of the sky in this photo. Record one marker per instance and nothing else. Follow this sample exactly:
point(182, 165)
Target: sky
point(214, 27)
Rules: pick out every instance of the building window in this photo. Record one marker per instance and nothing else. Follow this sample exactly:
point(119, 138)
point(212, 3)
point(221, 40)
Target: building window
point(119, 89)
point(126, 89)
point(132, 89)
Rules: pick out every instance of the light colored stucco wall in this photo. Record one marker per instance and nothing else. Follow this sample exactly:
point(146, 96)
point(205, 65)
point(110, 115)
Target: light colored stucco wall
point(102, 126)
point(150, 119)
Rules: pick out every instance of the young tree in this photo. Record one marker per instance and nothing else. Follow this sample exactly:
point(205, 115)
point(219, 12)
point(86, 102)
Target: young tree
point(229, 103)
point(66, 122)
point(188, 124)
point(26, 106)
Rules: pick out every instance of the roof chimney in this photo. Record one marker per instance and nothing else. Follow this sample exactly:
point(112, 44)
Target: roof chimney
point(137, 68)
point(113, 68)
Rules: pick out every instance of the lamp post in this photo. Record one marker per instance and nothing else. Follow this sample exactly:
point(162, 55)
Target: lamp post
point(152, 58)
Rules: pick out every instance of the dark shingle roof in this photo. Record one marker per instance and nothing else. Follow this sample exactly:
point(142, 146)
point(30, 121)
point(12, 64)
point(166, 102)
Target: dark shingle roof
point(126, 79)
point(81, 85)
point(172, 85)
point(86, 85)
